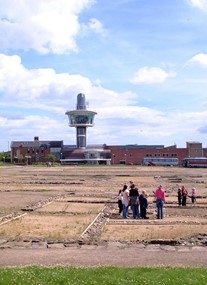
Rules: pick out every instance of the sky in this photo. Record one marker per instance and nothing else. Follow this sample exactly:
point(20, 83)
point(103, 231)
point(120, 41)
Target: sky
point(142, 65)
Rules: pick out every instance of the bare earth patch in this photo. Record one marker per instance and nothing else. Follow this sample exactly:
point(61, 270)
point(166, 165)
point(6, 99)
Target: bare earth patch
point(149, 232)
point(47, 226)
point(71, 215)
point(73, 208)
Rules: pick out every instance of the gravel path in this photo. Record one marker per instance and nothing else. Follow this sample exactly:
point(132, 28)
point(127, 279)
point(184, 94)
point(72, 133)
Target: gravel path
point(111, 255)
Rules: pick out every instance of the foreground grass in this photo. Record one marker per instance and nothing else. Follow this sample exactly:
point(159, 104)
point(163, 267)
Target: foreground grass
point(102, 276)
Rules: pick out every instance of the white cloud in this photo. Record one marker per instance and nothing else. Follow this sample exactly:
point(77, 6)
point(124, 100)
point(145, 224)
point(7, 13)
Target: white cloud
point(38, 99)
point(200, 58)
point(151, 75)
point(43, 25)
point(48, 91)
point(95, 26)
point(201, 4)
point(40, 88)
point(138, 125)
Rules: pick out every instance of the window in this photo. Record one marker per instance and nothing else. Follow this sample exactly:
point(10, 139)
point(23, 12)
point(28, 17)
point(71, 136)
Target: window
point(55, 149)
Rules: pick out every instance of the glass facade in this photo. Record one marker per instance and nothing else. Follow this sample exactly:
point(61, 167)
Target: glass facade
point(81, 119)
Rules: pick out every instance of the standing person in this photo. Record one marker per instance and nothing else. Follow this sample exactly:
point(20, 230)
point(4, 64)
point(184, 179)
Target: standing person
point(130, 183)
point(184, 196)
point(160, 200)
point(120, 204)
point(134, 201)
point(143, 205)
point(179, 197)
point(193, 197)
point(125, 201)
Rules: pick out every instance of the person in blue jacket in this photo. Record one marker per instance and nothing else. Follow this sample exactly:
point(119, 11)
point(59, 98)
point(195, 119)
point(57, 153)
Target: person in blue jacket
point(143, 205)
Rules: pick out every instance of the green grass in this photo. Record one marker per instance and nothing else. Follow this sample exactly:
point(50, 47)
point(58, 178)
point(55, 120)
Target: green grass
point(102, 276)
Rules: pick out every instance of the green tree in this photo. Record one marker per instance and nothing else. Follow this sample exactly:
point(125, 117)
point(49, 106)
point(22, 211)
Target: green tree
point(50, 157)
point(5, 156)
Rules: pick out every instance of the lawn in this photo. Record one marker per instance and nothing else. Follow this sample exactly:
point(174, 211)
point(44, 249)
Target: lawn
point(102, 275)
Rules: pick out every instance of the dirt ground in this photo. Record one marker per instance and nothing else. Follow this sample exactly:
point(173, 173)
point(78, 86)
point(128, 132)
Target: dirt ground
point(68, 215)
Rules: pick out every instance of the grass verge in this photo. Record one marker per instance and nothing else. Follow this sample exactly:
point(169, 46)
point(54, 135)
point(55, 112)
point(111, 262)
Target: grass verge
point(102, 275)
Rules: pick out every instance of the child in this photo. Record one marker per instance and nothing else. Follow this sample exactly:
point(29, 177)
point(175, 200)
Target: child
point(143, 205)
point(179, 197)
point(193, 197)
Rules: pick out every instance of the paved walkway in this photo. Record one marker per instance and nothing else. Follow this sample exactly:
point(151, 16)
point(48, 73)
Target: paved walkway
point(110, 255)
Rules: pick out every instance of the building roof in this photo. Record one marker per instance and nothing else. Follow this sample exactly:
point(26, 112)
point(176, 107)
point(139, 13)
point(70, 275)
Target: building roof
point(36, 143)
point(136, 146)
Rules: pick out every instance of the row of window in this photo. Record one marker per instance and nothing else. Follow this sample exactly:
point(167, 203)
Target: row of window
point(164, 155)
point(33, 151)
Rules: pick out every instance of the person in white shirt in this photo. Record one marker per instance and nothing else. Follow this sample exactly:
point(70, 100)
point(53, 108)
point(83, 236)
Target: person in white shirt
point(125, 201)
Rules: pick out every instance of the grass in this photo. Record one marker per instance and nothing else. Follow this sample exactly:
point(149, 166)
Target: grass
point(47, 226)
point(102, 276)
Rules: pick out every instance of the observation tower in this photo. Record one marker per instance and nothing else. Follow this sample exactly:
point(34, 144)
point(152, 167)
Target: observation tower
point(81, 118)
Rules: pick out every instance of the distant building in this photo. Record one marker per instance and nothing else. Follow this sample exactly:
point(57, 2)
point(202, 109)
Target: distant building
point(195, 149)
point(135, 154)
point(81, 153)
point(38, 151)
point(35, 151)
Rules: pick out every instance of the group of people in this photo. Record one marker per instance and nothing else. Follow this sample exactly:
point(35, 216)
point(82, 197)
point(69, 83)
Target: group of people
point(129, 197)
point(183, 194)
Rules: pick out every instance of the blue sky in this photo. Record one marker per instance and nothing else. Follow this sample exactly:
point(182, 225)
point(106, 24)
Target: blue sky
point(142, 65)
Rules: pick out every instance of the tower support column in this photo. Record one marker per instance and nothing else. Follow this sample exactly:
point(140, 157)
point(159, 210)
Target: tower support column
point(81, 137)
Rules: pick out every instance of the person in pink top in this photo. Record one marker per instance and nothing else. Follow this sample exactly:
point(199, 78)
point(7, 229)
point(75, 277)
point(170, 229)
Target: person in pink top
point(160, 200)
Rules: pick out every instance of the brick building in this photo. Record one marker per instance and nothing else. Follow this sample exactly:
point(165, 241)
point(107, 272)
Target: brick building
point(35, 151)
point(134, 154)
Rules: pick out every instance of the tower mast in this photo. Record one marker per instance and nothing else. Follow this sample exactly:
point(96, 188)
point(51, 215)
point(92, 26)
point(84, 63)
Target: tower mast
point(81, 118)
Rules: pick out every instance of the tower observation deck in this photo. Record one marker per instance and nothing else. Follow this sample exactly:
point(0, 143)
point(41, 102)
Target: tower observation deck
point(81, 118)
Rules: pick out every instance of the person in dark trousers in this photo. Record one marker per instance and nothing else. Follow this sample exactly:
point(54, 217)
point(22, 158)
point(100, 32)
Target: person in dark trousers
point(179, 197)
point(120, 203)
point(160, 201)
point(143, 205)
point(184, 196)
point(134, 201)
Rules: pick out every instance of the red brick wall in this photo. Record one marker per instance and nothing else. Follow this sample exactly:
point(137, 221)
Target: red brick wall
point(136, 156)
point(36, 156)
